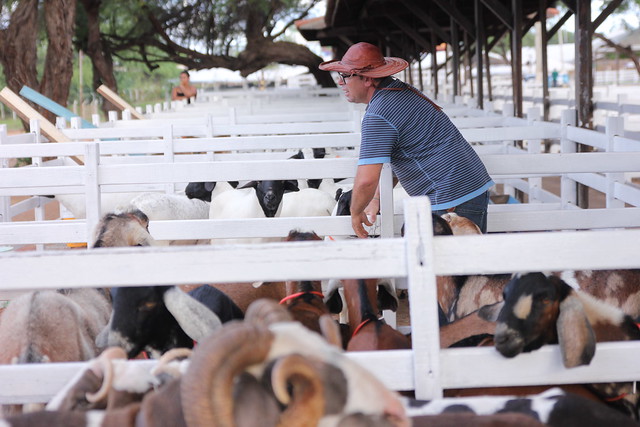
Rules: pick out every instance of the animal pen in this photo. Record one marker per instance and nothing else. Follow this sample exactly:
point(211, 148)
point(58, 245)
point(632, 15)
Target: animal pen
point(548, 233)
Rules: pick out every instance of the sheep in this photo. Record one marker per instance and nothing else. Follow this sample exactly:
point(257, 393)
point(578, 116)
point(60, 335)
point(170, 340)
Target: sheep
point(161, 207)
point(123, 229)
point(257, 199)
point(307, 202)
point(295, 361)
point(541, 309)
point(206, 191)
point(109, 382)
point(52, 326)
point(109, 202)
point(158, 318)
point(112, 392)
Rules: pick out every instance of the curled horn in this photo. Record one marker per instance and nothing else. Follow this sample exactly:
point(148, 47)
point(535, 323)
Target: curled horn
point(105, 368)
point(266, 311)
point(206, 389)
point(330, 330)
point(308, 405)
point(163, 363)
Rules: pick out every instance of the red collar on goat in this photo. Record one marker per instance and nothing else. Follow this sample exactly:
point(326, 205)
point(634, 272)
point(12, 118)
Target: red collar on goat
point(360, 326)
point(296, 295)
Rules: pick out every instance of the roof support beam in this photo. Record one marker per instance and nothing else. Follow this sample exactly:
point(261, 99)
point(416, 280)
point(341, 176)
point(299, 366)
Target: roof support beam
point(584, 81)
point(559, 24)
point(500, 11)
point(479, 45)
point(455, 52)
point(542, 42)
point(605, 13)
point(516, 57)
point(410, 32)
point(424, 17)
point(456, 15)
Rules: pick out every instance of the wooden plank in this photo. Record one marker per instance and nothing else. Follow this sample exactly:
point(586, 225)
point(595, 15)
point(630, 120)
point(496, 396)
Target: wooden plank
point(51, 105)
point(26, 113)
point(113, 97)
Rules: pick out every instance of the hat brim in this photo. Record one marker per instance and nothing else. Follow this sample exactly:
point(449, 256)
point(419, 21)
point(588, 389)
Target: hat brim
point(392, 65)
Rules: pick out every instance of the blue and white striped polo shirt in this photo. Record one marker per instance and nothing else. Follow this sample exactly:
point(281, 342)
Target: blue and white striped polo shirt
point(427, 152)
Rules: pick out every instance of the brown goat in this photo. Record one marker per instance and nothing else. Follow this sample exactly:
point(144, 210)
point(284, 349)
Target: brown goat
point(367, 331)
point(124, 229)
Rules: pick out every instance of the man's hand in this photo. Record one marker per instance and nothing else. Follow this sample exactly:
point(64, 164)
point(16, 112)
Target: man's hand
point(356, 223)
point(372, 209)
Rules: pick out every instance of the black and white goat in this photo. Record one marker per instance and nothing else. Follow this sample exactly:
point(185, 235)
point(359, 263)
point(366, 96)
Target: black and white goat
point(158, 318)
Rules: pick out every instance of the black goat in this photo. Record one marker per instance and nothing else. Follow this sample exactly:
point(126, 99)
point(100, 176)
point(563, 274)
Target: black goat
point(159, 318)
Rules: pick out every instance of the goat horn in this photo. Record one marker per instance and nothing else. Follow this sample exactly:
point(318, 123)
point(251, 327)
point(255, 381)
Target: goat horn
point(330, 330)
point(168, 357)
point(206, 388)
point(266, 312)
point(308, 403)
point(105, 368)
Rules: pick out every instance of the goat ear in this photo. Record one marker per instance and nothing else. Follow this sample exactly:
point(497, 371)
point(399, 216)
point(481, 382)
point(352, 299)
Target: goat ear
point(291, 185)
point(576, 338)
point(195, 319)
point(209, 186)
point(250, 184)
point(334, 301)
point(387, 298)
point(490, 312)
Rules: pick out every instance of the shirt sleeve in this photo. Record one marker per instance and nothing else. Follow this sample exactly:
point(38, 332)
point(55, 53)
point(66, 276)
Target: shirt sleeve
point(378, 139)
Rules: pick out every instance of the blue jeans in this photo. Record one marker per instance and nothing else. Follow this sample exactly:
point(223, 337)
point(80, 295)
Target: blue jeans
point(474, 209)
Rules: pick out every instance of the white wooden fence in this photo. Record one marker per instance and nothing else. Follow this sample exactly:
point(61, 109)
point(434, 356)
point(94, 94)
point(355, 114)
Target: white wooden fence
point(418, 257)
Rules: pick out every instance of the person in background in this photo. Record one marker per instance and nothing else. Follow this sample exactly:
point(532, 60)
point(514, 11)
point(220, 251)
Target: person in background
point(401, 126)
point(185, 90)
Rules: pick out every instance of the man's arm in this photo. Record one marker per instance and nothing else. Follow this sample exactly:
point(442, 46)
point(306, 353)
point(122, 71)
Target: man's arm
point(364, 189)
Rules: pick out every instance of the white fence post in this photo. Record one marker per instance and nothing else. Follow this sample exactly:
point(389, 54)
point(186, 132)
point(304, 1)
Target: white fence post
point(614, 127)
point(39, 214)
point(568, 187)
point(92, 189)
point(421, 278)
point(534, 147)
point(5, 201)
point(386, 222)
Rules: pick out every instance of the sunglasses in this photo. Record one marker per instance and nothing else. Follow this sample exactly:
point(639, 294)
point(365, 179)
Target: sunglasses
point(344, 76)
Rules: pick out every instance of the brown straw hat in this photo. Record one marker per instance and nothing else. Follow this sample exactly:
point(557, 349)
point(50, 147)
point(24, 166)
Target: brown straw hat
point(365, 60)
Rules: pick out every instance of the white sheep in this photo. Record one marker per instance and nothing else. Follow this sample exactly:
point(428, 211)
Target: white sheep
point(257, 199)
point(161, 207)
point(307, 202)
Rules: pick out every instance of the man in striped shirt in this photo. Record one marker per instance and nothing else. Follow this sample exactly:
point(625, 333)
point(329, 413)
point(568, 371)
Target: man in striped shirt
point(401, 126)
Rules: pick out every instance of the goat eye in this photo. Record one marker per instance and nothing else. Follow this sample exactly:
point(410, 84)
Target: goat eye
point(148, 306)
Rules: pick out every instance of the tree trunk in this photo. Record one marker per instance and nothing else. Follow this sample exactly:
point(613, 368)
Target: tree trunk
point(58, 69)
point(101, 59)
point(18, 47)
point(259, 54)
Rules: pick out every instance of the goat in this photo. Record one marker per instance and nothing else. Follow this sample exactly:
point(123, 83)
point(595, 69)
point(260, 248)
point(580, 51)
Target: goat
point(159, 318)
point(540, 310)
point(553, 407)
point(52, 326)
point(161, 207)
point(305, 300)
point(123, 229)
point(367, 331)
